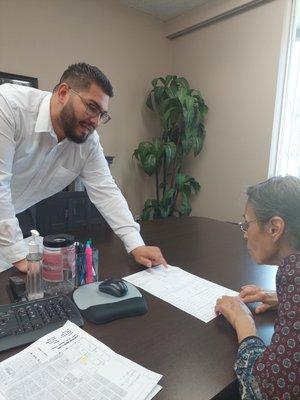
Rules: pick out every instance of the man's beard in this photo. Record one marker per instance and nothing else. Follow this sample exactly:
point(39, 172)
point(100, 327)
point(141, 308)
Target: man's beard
point(69, 121)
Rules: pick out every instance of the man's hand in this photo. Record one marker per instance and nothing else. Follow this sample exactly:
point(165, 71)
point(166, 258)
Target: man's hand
point(237, 314)
point(253, 293)
point(21, 265)
point(149, 256)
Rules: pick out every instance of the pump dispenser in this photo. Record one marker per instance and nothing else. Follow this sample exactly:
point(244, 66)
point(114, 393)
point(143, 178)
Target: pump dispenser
point(34, 269)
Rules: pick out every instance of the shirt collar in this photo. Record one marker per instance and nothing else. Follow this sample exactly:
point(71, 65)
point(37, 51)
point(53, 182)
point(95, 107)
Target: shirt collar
point(43, 122)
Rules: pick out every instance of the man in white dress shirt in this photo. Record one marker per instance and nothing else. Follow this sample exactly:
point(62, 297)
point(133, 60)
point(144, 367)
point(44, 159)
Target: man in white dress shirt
point(46, 141)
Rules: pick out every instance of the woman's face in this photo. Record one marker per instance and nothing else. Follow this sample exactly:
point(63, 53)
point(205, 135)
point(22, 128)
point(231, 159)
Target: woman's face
point(260, 244)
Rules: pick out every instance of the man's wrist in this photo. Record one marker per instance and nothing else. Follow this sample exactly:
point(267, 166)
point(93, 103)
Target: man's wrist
point(21, 265)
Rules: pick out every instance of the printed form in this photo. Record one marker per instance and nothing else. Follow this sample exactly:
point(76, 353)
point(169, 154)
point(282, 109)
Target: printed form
point(70, 364)
point(190, 293)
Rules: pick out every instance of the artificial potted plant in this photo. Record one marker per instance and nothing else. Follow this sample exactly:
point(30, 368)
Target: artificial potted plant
point(181, 111)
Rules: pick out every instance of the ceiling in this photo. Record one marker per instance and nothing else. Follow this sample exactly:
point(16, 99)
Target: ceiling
point(164, 9)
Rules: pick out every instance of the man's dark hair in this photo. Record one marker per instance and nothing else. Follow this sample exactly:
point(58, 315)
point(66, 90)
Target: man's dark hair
point(80, 76)
point(278, 196)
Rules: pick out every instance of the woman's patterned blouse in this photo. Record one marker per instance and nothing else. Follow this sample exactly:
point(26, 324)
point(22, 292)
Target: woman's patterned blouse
point(273, 372)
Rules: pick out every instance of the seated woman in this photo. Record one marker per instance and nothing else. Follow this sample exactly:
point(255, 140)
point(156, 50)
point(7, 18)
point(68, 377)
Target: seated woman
point(272, 231)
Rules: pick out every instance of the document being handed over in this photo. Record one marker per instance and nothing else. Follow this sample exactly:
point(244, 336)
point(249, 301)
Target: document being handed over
point(194, 295)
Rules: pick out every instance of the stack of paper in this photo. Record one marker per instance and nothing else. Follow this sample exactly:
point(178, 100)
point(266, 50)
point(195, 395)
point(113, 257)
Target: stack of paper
point(194, 295)
point(70, 364)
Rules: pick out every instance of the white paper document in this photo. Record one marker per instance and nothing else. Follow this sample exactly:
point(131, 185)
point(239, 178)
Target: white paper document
point(194, 295)
point(154, 392)
point(70, 364)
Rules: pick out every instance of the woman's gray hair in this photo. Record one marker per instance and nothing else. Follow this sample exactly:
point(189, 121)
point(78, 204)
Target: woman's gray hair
point(278, 196)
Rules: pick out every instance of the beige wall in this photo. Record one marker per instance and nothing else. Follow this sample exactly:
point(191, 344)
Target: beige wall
point(234, 63)
point(42, 37)
point(209, 11)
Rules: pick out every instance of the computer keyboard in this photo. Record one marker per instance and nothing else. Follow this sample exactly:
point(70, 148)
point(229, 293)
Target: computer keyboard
point(25, 322)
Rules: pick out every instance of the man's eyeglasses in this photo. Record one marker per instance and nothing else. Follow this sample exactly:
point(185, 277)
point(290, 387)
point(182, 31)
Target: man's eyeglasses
point(93, 110)
point(245, 225)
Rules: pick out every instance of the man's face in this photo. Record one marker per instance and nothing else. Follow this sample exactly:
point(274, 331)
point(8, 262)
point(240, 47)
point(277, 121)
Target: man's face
point(75, 118)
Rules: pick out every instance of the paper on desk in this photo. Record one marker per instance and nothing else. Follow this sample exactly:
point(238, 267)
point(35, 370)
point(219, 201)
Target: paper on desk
point(70, 364)
point(154, 392)
point(190, 293)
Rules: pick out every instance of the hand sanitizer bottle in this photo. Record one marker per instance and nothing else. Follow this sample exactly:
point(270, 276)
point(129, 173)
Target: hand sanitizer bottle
point(34, 269)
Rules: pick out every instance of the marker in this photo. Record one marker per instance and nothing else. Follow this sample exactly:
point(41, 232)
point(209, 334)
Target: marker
point(89, 263)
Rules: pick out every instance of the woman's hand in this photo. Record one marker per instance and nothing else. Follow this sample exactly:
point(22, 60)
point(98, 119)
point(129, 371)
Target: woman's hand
point(237, 314)
point(253, 293)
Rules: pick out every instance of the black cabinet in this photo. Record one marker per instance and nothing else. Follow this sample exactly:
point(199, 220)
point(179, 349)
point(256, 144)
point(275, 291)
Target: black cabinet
point(66, 211)
point(62, 213)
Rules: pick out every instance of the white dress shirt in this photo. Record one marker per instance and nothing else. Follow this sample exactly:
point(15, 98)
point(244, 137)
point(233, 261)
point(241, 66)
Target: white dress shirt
point(34, 166)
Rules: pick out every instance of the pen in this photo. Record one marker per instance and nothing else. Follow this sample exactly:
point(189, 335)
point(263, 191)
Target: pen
point(81, 263)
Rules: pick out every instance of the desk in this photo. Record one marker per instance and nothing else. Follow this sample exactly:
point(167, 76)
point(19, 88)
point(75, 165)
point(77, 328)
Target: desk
point(196, 359)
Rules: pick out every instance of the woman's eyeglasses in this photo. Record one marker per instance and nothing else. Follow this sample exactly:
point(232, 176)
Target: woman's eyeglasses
point(245, 225)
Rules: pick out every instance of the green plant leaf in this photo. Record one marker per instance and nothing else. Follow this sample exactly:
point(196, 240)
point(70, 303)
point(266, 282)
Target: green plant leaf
point(149, 100)
point(198, 144)
point(141, 152)
point(168, 196)
point(185, 207)
point(149, 164)
point(201, 129)
point(158, 150)
point(136, 154)
point(197, 119)
point(170, 151)
point(144, 149)
point(164, 211)
point(171, 103)
point(146, 214)
point(167, 114)
point(158, 94)
point(195, 185)
point(154, 82)
point(183, 82)
point(182, 95)
point(172, 91)
point(180, 181)
point(188, 110)
point(187, 144)
point(170, 79)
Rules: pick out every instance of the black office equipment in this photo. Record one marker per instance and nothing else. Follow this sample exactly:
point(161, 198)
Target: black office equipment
point(100, 308)
point(26, 322)
point(16, 289)
point(114, 287)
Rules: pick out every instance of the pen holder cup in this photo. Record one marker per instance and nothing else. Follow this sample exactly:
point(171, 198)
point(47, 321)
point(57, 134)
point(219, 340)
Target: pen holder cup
point(86, 267)
point(58, 269)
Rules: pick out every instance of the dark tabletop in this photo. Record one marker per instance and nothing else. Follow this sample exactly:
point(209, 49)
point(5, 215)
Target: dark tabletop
point(195, 358)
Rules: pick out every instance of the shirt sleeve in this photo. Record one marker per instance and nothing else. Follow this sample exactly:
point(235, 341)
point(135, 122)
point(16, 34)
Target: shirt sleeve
point(249, 351)
point(12, 246)
point(107, 197)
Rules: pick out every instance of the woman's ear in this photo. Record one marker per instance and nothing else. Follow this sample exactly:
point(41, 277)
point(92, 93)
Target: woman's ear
point(276, 227)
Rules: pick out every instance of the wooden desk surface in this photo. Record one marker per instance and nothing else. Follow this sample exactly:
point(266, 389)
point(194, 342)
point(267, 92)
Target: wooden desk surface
point(195, 359)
